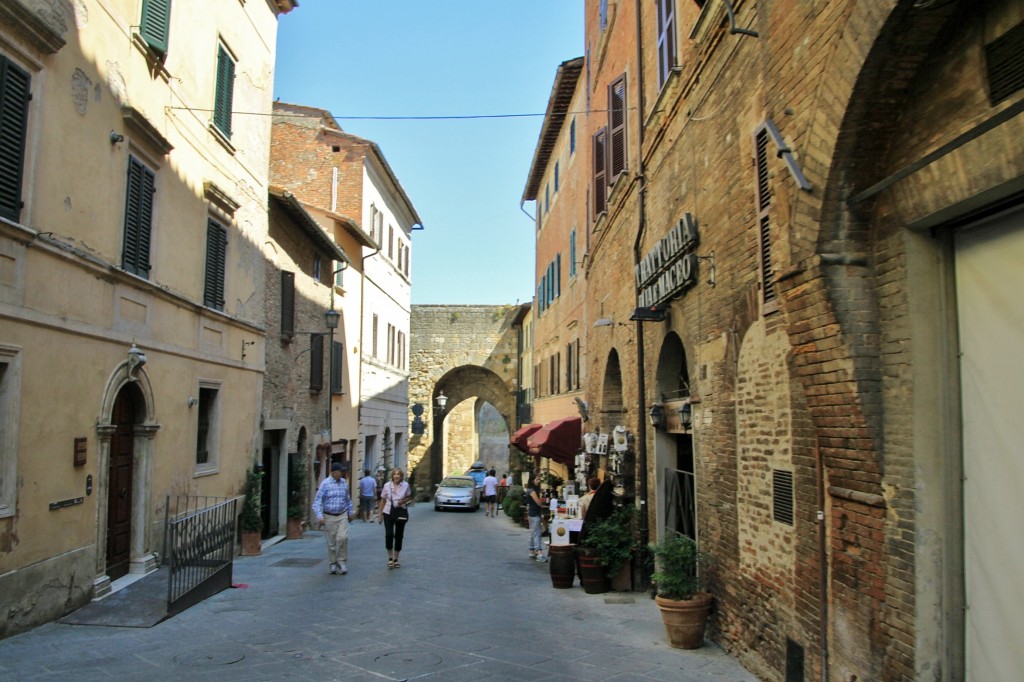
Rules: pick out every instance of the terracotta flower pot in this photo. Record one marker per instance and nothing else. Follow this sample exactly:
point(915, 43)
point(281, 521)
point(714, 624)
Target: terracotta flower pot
point(294, 531)
point(251, 543)
point(685, 620)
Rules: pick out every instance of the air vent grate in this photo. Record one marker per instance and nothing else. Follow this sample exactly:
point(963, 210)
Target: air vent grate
point(1004, 58)
point(782, 496)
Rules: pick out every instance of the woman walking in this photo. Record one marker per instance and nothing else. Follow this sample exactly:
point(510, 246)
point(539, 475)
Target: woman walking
point(393, 513)
point(534, 509)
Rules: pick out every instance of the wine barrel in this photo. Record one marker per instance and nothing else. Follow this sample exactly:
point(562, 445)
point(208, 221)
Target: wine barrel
point(562, 560)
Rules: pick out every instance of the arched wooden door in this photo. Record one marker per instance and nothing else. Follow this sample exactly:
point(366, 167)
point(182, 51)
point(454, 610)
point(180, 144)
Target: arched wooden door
point(119, 496)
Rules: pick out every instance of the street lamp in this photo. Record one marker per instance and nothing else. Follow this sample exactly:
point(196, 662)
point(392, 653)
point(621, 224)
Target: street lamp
point(441, 401)
point(657, 415)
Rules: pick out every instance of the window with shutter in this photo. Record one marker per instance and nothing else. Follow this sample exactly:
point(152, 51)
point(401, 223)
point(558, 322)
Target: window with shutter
point(769, 300)
point(316, 362)
point(558, 275)
point(138, 218)
point(287, 303)
point(617, 128)
point(572, 253)
point(337, 357)
point(154, 26)
point(666, 39)
point(216, 251)
point(14, 98)
point(600, 175)
point(224, 96)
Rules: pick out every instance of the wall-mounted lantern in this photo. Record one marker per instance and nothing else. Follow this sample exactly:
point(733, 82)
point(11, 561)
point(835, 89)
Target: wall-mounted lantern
point(657, 415)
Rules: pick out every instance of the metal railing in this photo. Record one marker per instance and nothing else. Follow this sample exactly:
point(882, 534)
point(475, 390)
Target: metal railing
point(199, 547)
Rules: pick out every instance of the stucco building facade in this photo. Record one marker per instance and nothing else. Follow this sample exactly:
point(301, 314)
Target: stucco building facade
point(132, 212)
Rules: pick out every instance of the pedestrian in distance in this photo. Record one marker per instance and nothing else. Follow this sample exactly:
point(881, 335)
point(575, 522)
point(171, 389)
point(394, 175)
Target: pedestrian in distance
point(534, 510)
point(393, 512)
point(490, 494)
point(367, 495)
point(334, 502)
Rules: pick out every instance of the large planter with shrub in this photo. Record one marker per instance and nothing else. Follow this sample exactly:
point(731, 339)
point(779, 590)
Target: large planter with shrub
point(251, 519)
point(683, 603)
point(607, 550)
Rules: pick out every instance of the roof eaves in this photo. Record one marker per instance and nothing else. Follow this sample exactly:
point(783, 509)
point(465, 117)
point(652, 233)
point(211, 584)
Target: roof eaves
point(301, 216)
point(562, 90)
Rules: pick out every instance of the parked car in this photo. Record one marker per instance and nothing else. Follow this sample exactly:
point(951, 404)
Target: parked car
point(479, 472)
point(457, 492)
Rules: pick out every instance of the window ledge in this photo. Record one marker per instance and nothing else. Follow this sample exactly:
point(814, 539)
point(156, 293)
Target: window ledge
point(205, 470)
point(223, 139)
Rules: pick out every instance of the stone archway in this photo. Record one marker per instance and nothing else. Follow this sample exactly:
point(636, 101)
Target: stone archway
point(142, 557)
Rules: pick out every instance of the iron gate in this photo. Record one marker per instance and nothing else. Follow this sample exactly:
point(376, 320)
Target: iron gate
point(199, 548)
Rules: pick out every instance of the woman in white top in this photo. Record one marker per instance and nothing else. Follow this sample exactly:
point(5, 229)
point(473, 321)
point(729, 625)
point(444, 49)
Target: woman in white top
point(393, 513)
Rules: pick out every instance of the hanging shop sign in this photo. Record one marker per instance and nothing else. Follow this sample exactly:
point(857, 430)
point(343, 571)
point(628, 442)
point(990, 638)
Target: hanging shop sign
point(670, 268)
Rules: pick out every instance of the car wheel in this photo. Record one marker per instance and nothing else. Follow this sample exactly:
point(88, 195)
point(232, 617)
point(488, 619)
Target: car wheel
point(437, 507)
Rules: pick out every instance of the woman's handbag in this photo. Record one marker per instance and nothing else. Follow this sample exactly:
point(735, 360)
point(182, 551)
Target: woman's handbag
point(401, 514)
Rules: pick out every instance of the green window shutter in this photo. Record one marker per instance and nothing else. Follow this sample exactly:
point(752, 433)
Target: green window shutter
point(337, 358)
point(225, 91)
point(316, 362)
point(216, 250)
point(155, 24)
point(138, 218)
point(14, 98)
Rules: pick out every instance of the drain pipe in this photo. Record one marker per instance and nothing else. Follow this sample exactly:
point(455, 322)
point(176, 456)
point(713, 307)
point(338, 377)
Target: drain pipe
point(641, 383)
point(819, 466)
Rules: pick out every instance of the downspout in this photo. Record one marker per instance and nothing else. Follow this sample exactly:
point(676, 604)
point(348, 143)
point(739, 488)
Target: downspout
point(641, 428)
point(819, 466)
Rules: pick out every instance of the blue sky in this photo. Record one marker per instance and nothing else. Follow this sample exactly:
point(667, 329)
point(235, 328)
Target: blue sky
point(449, 58)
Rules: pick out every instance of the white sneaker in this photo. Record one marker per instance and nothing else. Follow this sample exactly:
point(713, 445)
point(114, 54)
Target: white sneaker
point(343, 568)
point(542, 559)
point(334, 568)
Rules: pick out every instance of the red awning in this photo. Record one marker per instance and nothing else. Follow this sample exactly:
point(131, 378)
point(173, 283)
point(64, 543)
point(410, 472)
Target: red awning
point(558, 440)
point(518, 439)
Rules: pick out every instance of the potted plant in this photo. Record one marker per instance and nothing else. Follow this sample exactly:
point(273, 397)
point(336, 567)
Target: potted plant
point(251, 518)
point(607, 547)
point(680, 595)
point(296, 498)
point(512, 505)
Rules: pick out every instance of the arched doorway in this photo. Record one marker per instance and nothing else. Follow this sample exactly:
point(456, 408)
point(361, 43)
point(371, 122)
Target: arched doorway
point(120, 475)
point(675, 472)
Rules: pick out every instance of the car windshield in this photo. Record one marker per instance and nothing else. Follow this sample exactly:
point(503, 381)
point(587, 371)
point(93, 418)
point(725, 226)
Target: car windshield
point(457, 483)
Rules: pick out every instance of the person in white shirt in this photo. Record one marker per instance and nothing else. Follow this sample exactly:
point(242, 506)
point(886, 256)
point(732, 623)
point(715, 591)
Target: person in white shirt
point(491, 494)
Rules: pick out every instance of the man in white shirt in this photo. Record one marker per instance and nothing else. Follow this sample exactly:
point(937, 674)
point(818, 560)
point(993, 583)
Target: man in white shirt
point(491, 494)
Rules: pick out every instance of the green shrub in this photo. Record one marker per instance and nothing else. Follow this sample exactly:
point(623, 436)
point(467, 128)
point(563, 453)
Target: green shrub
point(512, 505)
point(680, 566)
point(297, 488)
point(252, 507)
point(612, 540)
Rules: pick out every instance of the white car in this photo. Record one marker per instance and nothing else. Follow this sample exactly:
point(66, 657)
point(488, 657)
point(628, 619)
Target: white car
point(457, 492)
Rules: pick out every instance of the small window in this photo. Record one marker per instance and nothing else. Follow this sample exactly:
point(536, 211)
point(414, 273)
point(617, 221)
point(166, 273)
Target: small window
point(666, 39)
point(208, 414)
point(216, 254)
point(547, 199)
point(138, 218)
point(224, 96)
point(154, 26)
point(14, 99)
point(782, 496)
point(572, 137)
point(556, 177)
point(318, 266)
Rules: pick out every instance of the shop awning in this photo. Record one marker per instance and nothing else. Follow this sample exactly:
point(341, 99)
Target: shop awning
point(518, 439)
point(558, 440)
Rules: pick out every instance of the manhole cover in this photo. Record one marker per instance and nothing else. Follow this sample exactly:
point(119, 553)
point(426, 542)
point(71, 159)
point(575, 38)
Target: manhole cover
point(297, 563)
point(619, 600)
point(212, 656)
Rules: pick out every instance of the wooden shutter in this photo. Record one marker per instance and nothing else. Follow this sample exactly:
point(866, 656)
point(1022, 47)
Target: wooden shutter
point(14, 98)
point(225, 91)
point(764, 231)
point(617, 128)
point(138, 218)
point(216, 250)
point(316, 362)
point(155, 24)
point(287, 303)
point(337, 357)
point(666, 39)
point(558, 275)
point(600, 173)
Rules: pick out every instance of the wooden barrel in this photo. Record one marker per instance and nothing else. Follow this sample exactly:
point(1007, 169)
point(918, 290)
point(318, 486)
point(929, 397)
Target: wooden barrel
point(562, 560)
point(593, 575)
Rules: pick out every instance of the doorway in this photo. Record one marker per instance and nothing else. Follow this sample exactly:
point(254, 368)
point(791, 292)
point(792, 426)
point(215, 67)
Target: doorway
point(119, 482)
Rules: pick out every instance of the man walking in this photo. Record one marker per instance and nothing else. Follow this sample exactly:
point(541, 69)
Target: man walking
point(367, 495)
point(333, 501)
